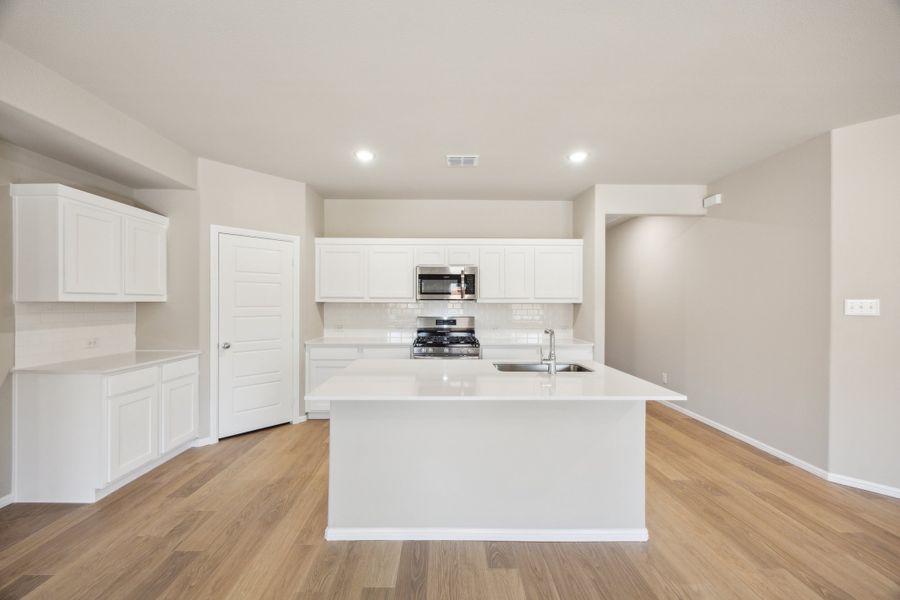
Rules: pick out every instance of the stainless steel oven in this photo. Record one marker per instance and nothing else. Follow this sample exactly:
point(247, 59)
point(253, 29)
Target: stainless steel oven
point(447, 283)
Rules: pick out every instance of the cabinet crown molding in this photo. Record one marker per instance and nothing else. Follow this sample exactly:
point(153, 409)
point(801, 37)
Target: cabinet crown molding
point(23, 190)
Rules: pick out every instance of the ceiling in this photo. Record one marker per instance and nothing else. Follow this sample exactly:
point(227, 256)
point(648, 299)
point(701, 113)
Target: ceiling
point(656, 91)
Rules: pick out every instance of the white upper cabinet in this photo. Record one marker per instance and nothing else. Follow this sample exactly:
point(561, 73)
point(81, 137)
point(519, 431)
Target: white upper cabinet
point(490, 274)
point(518, 273)
point(557, 273)
point(92, 250)
point(73, 246)
point(145, 258)
point(340, 273)
point(391, 274)
point(462, 255)
point(431, 256)
point(437, 255)
point(383, 269)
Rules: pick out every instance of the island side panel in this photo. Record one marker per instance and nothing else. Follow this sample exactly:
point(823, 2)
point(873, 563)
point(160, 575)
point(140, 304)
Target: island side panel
point(555, 470)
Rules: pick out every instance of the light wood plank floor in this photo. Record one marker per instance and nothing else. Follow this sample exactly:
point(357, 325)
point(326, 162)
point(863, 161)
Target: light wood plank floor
point(245, 519)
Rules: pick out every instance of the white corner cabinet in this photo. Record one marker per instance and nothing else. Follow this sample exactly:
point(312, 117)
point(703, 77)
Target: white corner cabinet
point(72, 246)
point(509, 270)
point(81, 436)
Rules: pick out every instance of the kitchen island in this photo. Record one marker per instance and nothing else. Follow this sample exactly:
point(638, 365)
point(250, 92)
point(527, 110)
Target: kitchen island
point(457, 450)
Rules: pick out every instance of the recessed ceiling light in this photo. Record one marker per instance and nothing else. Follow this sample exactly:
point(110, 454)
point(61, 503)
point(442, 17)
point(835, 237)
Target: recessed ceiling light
point(578, 157)
point(365, 156)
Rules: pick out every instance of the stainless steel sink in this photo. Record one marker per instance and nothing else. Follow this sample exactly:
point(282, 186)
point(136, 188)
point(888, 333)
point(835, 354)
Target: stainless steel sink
point(541, 368)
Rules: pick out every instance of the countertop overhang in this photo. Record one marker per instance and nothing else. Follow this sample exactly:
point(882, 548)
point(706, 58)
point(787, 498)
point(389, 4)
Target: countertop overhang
point(479, 380)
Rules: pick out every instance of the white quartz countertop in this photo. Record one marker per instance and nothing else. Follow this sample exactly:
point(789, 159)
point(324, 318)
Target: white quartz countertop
point(430, 380)
point(112, 362)
point(486, 340)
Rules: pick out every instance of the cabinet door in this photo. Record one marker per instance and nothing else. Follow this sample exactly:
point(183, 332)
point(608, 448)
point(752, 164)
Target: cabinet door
point(557, 273)
point(92, 250)
point(132, 430)
point(462, 255)
point(518, 273)
point(490, 273)
point(391, 273)
point(145, 258)
point(180, 412)
point(321, 371)
point(434, 256)
point(340, 273)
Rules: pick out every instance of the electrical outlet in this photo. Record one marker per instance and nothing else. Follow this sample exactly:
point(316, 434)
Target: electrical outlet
point(92, 342)
point(665, 377)
point(862, 308)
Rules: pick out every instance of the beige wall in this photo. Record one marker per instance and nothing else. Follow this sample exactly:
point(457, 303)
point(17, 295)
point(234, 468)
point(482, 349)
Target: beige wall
point(865, 352)
point(735, 305)
point(588, 225)
point(449, 218)
point(312, 314)
point(233, 197)
point(174, 324)
point(46, 112)
point(18, 165)
point(237, 197)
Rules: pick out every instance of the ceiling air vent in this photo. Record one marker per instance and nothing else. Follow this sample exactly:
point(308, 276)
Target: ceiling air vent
point(462, 160)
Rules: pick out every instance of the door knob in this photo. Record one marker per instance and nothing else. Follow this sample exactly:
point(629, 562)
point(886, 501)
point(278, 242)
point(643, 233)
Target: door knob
point(226, 345)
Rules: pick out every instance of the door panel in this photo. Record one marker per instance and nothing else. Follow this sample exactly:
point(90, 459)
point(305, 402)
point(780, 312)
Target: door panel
point(431, 256)
point(256, 286)
point(340, 273)
point(145, 258)
point(518, 274)
point(180, 412)
point(557, 273)
point(93, 250)
point(132, 430)
point(391, 273)
point(462, 255)
point(490, 273)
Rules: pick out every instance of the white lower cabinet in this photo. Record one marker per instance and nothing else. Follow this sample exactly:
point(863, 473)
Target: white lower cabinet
point(83, 435)
point(180, 412)
point(132, 431)
point(319, 372)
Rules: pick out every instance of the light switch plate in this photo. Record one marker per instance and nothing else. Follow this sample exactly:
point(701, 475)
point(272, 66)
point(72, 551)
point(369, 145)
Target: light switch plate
point(862, 308)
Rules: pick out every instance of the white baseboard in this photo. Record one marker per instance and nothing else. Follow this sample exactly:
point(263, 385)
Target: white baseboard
point(298, 420)
point(7, 500)
point(817, 471)
point(206, 441)
point(862, 484)
point(318, 414)
point(486, 535)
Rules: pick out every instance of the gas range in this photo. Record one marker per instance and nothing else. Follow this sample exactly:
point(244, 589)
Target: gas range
point(446, 337)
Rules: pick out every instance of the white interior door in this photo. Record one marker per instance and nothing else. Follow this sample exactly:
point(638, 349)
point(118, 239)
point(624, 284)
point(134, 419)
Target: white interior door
point(256, 295)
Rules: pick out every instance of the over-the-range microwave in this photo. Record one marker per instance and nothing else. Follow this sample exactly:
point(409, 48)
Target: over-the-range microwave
point(447, 283)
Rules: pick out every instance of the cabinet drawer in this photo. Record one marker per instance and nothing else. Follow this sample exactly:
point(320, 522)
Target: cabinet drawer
point(332, 352)
point(181, 368)
point(130, 381)
point(386, 352)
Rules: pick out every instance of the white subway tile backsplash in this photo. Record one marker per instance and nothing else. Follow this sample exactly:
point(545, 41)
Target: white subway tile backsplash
point(519, 322)
point(49, 332)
